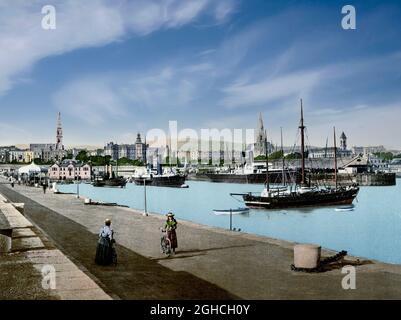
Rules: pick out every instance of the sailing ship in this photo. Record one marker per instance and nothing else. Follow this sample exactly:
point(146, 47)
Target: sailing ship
point(304, 194)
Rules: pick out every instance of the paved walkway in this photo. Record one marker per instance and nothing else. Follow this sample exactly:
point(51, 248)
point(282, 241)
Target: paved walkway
point(33, 256)
point(211, 263)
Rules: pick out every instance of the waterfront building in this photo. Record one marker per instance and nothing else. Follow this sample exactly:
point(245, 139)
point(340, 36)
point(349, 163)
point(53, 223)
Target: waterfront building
point(377, 164)
point(367, 150)
point(321, 153)
point(111, 149)
point(5, 153)
point(50, 151)
point(12, 154)
point(395, 166)
point(365, 163)
point(70, 170)
point(135, 151)
point(358, 164)
point(140, 149)
point(343, 142)
point(118, 151)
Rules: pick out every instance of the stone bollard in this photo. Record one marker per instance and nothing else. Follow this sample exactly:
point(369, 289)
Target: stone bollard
point(5, 240)
point(307, 256)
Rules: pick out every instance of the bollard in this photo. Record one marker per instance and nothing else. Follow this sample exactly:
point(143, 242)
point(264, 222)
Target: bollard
point(5, 240)
point(307, 256)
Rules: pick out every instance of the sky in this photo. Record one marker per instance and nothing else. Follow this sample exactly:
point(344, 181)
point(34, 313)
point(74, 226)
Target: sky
point(116, 68)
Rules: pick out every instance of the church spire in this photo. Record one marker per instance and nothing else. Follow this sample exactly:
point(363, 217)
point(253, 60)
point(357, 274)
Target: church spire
point(260, 143)
point(59, 134)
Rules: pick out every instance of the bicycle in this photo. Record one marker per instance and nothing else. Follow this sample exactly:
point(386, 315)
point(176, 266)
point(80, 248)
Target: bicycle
point(165, 243)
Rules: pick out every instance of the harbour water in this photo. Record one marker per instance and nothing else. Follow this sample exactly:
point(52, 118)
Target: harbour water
point(372, 230)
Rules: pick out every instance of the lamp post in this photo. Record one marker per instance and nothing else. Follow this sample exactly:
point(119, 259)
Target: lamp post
point(145, 213)
point(231, 219)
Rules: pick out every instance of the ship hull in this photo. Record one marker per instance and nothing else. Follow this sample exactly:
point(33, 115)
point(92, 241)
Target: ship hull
point(251, 178)
point(296, 200)
point(114, 182)
point(162, 181)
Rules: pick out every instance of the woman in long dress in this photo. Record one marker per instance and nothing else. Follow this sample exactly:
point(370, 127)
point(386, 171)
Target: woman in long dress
point(171, 226)
point(104, 250)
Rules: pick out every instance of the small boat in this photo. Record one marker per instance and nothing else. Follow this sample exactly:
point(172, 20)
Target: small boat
point(230, 211)
point(184, 186)
point(345, 208)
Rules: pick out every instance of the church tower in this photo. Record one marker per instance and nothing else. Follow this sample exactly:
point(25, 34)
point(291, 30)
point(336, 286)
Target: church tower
point(260, 138)
point(59, 134)
point(343, 142)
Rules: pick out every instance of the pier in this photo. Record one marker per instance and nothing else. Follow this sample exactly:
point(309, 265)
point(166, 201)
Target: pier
point(211, 263)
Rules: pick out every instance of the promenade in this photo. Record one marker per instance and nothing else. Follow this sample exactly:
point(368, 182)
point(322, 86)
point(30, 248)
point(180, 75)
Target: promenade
point(210, 263)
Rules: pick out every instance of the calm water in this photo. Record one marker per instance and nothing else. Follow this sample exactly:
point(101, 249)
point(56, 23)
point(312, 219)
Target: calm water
point(372, 230)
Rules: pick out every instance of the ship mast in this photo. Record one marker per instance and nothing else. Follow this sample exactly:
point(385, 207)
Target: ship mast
point(335, 158)
point(282, 154)
point(267, 164)
point(302, 127)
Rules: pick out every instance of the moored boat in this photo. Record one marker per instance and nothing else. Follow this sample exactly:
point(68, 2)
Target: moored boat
point(303, 195)
point(163, 180)
point(230, 211)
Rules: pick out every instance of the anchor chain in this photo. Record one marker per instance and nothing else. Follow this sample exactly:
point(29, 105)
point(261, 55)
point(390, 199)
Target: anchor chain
point(325, 261)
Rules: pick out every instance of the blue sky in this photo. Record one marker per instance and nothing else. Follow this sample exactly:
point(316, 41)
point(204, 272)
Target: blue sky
point(114, 68)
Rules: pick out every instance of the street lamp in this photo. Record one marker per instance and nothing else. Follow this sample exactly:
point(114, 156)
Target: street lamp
point(145, 213)
point(77, 189)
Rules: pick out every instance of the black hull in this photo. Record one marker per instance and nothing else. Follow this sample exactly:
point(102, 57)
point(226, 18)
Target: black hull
point(98, 184)
point(114, 182)
point(252, 178)
point(162, 181)
point(295, 200)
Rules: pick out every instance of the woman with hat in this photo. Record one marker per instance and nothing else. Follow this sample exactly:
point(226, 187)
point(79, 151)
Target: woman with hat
point(171, 226)
point(104, 251)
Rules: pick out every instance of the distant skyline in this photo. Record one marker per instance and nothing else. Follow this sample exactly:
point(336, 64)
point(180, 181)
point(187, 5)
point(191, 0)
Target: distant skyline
point(114, 69)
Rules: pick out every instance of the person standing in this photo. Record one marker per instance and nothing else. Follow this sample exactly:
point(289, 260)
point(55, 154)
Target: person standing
point(44, 185)
point(104, 250)
point(171, 226)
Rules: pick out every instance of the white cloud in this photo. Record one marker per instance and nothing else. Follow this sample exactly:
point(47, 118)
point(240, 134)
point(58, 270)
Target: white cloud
point(294, 85)
point(9, 134)
point(84, 24)
point(96, 98)
point(92, 100)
